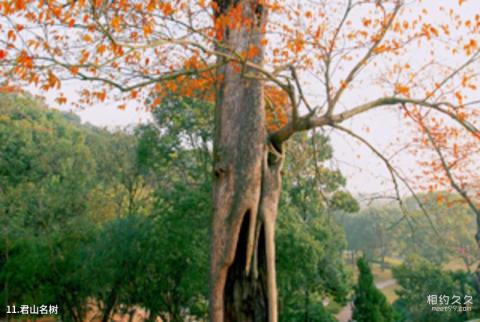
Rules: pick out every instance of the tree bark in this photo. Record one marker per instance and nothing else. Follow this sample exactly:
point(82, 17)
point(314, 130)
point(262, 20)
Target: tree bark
point(247, 184)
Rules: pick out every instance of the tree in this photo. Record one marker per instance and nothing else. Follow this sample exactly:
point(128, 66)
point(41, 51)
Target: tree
point(178, 157)
point(419, 280)
point(369, 303)
point(117, 259)
point(452, 165)
point(241, 49)
point(453, 236)
point(46, 173)
point(368, 232)
point(382, 230)
point(309, 242)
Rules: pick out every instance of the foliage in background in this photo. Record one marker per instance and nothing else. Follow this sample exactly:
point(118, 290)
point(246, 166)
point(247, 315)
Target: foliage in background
point(420, 279)
point(382, 230)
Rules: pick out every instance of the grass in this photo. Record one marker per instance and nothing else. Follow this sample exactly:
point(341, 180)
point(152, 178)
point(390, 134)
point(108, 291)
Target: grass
point(457, 264)
point(333, 307)
point(389, 293)
point(380, 275)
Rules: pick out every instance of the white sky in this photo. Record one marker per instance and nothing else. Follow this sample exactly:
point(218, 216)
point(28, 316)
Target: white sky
point(365, 172)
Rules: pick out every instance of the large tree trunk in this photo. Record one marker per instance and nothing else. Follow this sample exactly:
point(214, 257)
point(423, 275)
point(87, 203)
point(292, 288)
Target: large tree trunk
point(246, 185)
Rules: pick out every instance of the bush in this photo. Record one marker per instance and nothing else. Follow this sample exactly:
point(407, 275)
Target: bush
point(370, 305)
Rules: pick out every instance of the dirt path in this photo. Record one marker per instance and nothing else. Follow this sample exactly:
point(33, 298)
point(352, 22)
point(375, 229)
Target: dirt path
point(346, 313)
point(384, 284)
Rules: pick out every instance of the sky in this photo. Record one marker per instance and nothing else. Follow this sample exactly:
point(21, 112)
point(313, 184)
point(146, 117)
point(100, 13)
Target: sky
point(365, 172)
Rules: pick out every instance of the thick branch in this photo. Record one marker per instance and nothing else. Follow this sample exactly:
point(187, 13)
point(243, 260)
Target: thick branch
point(308, 121)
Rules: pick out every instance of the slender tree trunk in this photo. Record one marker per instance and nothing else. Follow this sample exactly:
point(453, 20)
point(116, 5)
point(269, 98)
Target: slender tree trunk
point(109, 305)
point(477, 270)
point(247, 185)
point(307, 305)
point(131, 314)
point(7, 302)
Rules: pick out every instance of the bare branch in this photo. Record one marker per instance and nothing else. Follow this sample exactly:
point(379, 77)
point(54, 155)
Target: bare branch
point(462, 192)
point(162, 78)
point(353, 73)
point(328, 56)
point(394, 175)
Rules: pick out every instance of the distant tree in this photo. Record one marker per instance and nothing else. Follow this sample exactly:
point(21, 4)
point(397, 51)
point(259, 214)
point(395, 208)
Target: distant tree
point(369, 304)
point(371, 231)
point(446, 234)
point(441, 229)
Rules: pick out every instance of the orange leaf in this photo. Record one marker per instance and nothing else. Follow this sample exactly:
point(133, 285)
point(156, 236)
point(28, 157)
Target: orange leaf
point(61, 100)
point(166, 8)
point(25, 60)
point(11, 35)
point(101, 48)
point(116, 21)
point(52, 80)
point(87, 38)
point(366, 22)
point(147, 29)
point(151, 6)
point(252, 52)
point(402, 89)
point(74, 70)
point(459, 97)
point(19, 4)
